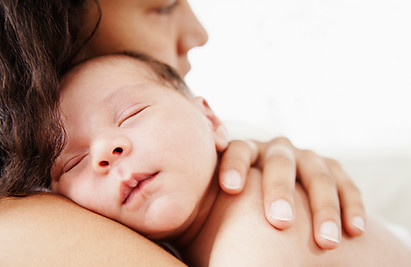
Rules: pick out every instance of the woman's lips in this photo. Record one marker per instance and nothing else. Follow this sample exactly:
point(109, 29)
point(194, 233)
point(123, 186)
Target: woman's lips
point(132, 185)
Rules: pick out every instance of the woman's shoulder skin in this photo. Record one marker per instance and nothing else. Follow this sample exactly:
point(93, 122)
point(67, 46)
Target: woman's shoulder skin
point(238, 234)
point(49, 230)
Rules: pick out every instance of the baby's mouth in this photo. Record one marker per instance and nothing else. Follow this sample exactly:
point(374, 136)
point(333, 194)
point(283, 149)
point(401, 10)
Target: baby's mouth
point(134, 184)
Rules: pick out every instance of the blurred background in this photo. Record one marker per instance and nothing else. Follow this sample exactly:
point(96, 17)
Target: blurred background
point(332, 76)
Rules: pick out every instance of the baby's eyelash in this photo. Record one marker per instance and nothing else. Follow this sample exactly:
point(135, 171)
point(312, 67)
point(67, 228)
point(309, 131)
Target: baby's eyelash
point(131, 112)
point(72, 163)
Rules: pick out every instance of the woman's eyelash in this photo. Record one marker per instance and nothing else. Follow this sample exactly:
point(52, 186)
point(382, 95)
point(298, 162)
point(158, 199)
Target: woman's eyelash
point(167, 9)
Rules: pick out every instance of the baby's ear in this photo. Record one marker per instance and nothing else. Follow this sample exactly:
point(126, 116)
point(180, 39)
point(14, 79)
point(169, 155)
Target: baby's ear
point(220, 132)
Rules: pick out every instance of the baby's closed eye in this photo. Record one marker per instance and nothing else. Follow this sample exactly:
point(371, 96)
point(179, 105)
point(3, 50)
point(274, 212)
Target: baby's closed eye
point(72, 163)
point(130, 112)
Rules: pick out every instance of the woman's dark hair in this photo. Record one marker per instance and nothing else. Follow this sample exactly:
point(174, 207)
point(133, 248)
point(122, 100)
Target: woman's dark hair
point(38, 41)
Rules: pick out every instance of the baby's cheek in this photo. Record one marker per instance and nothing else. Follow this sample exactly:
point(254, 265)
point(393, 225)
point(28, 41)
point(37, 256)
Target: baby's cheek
point(85, 195)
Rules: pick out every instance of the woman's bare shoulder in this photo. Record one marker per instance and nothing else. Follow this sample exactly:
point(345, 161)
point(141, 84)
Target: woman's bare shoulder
point(238, 234)
point(47, 229)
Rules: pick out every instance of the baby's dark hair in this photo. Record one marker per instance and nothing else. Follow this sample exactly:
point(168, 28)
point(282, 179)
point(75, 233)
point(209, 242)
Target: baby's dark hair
point(162, 72)
point(38, 41)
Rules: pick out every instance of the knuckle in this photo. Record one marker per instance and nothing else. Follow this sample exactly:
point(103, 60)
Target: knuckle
point(329, 208)
point(276, 152)
point(236, 149)
point(237, 143)
point(246, 150)
point(332, 164)
point(308, 155)
point(252, 146)
point(329, 205)
point(284, 141)
point(333, 209)
point(281, 188)
point(235, 163)
point(352, 189)
point(279, 159)
point(324, 179)
point(332, 161)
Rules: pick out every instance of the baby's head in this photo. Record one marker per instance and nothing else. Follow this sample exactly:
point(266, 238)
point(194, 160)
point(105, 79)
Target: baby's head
point(141, 149)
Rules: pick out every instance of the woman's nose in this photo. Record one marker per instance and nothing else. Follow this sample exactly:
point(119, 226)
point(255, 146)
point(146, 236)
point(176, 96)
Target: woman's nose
point(106, 152)
point(192, 33)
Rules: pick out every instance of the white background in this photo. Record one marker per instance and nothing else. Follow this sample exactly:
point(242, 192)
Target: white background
point(327, 74)
point(333, 76)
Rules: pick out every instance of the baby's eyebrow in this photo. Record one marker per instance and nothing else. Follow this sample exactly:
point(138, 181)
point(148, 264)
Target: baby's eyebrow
point(121, 96)
point(122, 92)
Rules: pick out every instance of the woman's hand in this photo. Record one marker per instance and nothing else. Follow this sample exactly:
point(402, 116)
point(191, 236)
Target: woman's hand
point(328, 187)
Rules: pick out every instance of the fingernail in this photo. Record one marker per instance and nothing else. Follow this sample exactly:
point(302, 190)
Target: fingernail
point(232, 180)
point(359, 223)
point(281, 210)
point(329, 231)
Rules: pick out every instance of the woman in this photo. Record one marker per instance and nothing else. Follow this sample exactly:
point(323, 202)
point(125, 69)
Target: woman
point(167, 30)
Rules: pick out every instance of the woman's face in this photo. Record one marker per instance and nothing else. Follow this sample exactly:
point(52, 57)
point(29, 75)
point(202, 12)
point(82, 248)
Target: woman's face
point(163, 29)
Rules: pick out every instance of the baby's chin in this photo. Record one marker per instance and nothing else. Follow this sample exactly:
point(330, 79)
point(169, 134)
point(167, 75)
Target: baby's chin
point(167, 219)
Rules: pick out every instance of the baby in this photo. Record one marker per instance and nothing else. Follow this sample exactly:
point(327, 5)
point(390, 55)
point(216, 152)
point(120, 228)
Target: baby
point(142, 150)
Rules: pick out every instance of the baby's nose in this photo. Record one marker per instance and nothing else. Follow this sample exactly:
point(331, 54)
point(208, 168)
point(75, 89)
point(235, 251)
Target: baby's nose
point(106, 152)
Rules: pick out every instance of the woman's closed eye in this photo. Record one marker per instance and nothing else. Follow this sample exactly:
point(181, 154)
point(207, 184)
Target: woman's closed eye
point(167, 8)
point(130, 113)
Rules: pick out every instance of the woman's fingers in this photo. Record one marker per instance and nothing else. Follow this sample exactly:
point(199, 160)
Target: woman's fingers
point(279, 173)
point(329, 188)
point(353, 211)
point(235, 164)
point(323, 196)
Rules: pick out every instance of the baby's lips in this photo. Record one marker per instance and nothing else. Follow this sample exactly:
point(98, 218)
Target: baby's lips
point(127, 186)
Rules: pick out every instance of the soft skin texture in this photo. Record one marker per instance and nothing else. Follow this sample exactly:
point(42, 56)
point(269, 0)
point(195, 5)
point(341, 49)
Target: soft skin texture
point(167, 30)
point(164, 29)
point(123, 127)
point(279, 168)
point(49, 230)
point(137, 125)
point(226, 238)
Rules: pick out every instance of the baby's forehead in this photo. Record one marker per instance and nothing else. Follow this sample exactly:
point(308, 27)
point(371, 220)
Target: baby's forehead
point(125, 66)
point(108, 64)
